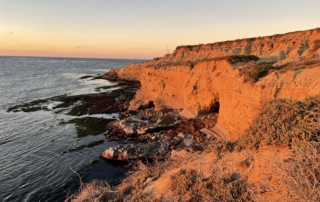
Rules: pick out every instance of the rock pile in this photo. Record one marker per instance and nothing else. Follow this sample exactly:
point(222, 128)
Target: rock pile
point(160, 148)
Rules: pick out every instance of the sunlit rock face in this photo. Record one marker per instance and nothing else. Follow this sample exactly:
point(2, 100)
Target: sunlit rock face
point(200, 79)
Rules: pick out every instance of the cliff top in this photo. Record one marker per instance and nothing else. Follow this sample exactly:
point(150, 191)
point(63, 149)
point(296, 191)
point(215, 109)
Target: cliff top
point(252, 39)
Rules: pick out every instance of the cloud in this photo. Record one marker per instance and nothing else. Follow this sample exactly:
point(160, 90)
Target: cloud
point(77, 47)
point(11, 32)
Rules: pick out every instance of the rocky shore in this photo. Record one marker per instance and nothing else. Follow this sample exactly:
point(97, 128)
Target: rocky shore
point(233, 77)
point(154, 135)
point(235, 121)
point(146, 133)
point(237, 76)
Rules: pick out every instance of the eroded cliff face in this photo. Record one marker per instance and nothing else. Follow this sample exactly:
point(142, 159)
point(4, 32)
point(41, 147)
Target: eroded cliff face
point(198, 79)
point(285, 47)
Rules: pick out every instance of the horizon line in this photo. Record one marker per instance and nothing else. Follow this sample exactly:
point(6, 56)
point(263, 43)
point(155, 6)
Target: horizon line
point(101, 58)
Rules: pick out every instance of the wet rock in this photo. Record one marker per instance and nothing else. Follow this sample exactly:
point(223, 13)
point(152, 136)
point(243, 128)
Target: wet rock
point(133, 125)
point(154, 146)
point(152, 150)
point(136, 124)
point(111, 76)
point(188, 142)
point(188, 136)
point(180, 135)
point(94, 162)
point(86, 77)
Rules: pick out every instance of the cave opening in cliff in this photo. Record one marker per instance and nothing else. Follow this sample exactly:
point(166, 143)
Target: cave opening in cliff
point(147, 106)
point(150, 105)
point(214, 108)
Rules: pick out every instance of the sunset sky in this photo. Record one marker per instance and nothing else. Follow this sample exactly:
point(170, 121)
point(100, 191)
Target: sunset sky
point(141, 28)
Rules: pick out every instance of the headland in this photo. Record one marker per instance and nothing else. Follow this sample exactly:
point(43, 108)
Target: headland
point(228, 121)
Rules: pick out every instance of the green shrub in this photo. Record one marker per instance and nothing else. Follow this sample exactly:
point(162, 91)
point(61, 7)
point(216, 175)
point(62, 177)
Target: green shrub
point(259, 71)
point(241, 58)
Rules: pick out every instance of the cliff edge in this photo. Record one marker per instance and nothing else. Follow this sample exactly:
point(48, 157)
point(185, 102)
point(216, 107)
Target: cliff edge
point(232, 77)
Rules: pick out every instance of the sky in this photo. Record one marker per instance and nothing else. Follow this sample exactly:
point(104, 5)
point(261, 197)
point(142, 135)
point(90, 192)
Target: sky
point(141, 29)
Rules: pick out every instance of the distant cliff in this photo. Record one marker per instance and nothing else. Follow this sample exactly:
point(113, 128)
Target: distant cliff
point(227, 76)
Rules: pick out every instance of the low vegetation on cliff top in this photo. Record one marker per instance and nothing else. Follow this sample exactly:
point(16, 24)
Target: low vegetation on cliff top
point(282, 122)
point(277, 159)
point(252, 72)
point(241, 58)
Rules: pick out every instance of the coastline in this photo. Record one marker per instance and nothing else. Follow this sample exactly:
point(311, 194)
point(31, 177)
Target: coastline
point(202, 128)
point(40, 141)
point(212, 121)
point(91, 118)
point(226, 170)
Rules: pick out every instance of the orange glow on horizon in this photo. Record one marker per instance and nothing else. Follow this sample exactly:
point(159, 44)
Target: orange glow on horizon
point(78, 54)
point(32, 43)
point(139, 29)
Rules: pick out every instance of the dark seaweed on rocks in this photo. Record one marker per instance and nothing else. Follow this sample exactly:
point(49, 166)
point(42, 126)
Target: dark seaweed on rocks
point(89, 125)
point(91, 144)
point(109, 102)
point(28, 106)
point(106, 102)
point(86, 77)
point(120, 84)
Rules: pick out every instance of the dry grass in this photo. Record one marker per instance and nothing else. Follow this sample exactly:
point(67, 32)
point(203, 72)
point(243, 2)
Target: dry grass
point(293, 124)
point(140, 174)
point(301, 173)
point(129, 190)
point(143, 173)
point(253, 72)
point(282, 122)
point(96, 191)
point(296, 66)
point(192, 186)
point(233, 59)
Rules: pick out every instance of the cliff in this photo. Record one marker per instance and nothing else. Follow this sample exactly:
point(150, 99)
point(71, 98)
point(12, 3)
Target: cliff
point(221, 76)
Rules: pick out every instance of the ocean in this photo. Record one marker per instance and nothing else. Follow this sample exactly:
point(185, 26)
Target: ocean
point(34, 162)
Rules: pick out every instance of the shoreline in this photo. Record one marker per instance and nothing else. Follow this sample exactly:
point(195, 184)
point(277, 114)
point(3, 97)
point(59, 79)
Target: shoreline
point(188, 159)
point(175, 137)
point(34, 140)
point(262, 107)
point(224, 128)
point(80, 110)
point(153, 134)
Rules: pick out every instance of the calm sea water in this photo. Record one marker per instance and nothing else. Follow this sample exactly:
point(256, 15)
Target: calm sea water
point(33, 162)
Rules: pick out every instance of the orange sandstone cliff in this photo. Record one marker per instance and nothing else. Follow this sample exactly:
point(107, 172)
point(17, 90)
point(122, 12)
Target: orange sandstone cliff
point(201, 78)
